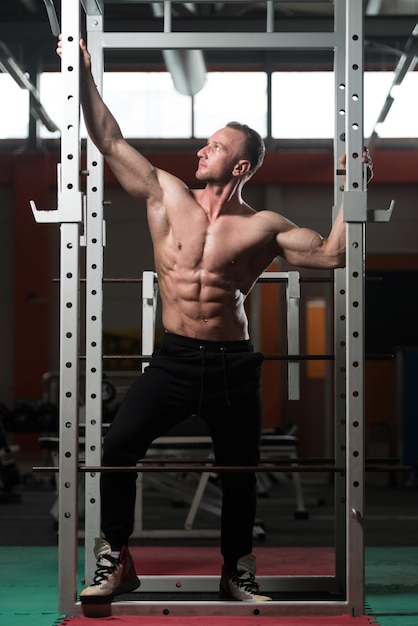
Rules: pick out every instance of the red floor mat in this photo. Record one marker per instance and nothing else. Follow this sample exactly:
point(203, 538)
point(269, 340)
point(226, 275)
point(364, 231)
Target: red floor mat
point(207, 561)
point(344, 620)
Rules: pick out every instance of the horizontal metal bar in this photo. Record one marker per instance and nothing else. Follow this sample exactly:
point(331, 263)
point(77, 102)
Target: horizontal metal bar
point(210, 584)
point(389, 468)
point(217, 41)
point(108, 280)
point(118, 280)
point(194, 468)
point(275, 609)
point(222, 469)
point(320, 357)
point(249, 2)
point(307, 279)
point(266, 461)
point(267, 357)
point(262, 279)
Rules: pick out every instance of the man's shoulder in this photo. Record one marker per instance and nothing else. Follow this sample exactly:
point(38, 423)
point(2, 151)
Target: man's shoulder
point(272, 217)
point(167, 179)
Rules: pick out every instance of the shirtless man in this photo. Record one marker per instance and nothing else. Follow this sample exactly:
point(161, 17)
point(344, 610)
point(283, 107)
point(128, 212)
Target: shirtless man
point(210, 247)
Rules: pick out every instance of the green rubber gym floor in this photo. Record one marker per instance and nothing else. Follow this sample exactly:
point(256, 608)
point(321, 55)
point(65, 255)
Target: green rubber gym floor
point(29, 554)
point(29, 588)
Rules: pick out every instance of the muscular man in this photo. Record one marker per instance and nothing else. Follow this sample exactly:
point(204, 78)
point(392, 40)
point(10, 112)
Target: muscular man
point(210, 247)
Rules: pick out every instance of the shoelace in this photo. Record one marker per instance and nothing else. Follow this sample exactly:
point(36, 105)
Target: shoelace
point(105, 566)
point(246, 581)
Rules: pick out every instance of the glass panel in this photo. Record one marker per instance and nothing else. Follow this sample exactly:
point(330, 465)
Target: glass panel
point(376, 88)
point(402, 119)
point(296, 116)
point(302, 105)
point(147, 105)
point(231, 96)
point(50, 91)
point(14, 109)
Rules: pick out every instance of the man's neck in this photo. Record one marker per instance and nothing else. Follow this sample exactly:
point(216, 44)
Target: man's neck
point(220, 199)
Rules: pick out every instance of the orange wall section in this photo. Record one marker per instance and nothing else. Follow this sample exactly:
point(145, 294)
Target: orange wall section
point(270, 315)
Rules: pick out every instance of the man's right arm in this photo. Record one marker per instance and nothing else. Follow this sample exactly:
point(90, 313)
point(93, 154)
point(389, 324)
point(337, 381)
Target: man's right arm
point(134, 172)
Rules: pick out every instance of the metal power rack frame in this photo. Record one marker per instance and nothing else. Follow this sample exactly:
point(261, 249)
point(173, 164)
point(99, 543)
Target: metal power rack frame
point(81, 221)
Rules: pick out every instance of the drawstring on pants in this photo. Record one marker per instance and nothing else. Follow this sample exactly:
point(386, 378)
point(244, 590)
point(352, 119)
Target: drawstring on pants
point(202, 376)
point(224, 373)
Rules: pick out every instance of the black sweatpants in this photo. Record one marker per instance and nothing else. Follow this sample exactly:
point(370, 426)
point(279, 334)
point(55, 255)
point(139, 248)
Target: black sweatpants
point(219, 382)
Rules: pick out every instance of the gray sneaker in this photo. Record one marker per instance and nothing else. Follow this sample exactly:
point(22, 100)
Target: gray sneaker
point(112, 577)
point(241, 584)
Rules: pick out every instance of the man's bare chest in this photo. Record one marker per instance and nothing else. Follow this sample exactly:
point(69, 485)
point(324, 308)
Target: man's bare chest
point(211, 245)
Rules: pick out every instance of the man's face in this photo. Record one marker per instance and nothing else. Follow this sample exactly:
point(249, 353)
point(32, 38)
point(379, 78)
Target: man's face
point(222, 152)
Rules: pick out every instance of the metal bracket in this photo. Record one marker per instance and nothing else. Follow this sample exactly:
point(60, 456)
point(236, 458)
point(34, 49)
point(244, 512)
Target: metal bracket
point(380, 215)
point(355, 208)
point(71, 207)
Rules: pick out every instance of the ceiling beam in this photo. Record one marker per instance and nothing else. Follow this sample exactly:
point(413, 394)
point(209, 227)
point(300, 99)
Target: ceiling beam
point(374, 7)
point(405, 64)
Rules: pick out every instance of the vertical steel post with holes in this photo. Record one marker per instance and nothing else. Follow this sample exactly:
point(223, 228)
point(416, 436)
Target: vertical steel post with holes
point(95, 241)
point(70, 198)
point(355, 213)
point(339, 302)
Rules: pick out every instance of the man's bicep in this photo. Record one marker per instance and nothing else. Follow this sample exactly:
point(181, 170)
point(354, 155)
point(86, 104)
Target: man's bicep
point(288, 235)
point(297, 244)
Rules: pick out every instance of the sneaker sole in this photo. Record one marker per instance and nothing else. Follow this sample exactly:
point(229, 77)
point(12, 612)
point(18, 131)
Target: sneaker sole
point(97, 611)
point(127, 587)
point(227, 596)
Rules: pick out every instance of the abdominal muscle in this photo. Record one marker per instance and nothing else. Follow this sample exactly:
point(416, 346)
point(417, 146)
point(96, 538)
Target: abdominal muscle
point(206, 269)
point(203, 307)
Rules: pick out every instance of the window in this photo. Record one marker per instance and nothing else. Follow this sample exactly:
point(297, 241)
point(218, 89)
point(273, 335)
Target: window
point(14, 108)
point(147, 105)
point(402, 120)
point(302, 105)
point(231, 96)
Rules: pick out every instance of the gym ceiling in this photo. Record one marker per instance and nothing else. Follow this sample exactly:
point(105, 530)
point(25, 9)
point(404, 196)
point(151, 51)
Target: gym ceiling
point(25, 29)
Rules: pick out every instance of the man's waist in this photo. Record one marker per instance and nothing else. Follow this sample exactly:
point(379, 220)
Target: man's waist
point(240, 345)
